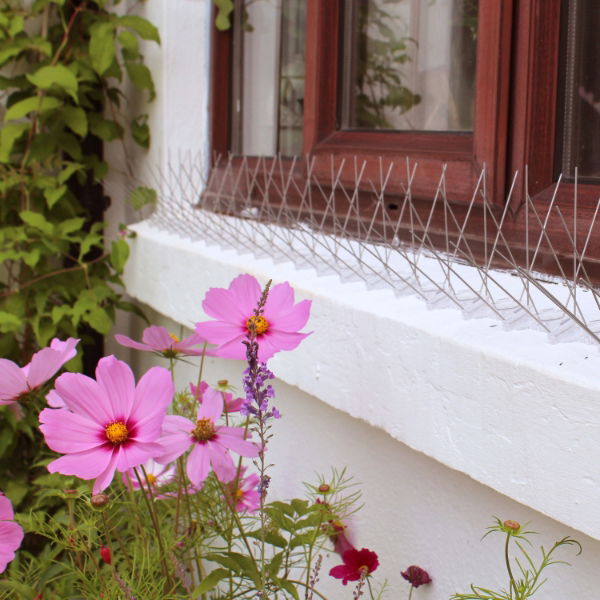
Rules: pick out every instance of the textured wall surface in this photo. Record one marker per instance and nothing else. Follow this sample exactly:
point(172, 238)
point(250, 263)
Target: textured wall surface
point(444, 421)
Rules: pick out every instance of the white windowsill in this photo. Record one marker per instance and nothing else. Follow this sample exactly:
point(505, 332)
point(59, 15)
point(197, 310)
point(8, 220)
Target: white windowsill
point(507, 408)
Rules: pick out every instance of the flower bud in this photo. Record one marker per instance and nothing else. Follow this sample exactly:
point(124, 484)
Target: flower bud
point(324, 488)
point(105, 554)
point(99, 500)
point(223, 383)
point(512, 525)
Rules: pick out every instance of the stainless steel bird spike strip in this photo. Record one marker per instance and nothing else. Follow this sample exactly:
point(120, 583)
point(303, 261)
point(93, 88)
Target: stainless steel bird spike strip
point(297, 210)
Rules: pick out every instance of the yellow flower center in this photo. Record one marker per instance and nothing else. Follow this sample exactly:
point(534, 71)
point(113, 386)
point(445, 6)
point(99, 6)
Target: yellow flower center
point(116, 432)
point(260, 324)
point(174, 338)
point(239, 494)
point(151, 478)
point(204, 430)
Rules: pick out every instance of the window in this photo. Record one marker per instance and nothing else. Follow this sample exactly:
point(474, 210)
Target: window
point(448, 84)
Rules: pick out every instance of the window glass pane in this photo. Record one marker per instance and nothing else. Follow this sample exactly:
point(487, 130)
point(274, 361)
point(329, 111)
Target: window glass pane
point(268, 85)
point(581, 90)
point(411, 64)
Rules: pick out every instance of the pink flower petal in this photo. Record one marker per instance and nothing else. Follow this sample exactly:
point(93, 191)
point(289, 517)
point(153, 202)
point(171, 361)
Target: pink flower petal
point(152, 396)
point(129, 343)
point(133, 455)
point(279, 301)
point(242, 447)
point(175, 438)
point(11, 536)
point(198, 465)
point(54, 400)
point(83, 395)
point(105, 478)
point(212, 405)
point(220, 332)
point(221, 462)
point(67, 432)
point(116, 379)
point(157, 337)
point(85, 465)
point(12, 381)
point(234, 304)
point(45, 363)
point(293, 320)
point(6, 509)
point(270, 343)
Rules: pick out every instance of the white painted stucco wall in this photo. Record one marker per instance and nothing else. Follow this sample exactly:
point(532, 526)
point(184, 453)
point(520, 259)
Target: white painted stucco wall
point(446, 422)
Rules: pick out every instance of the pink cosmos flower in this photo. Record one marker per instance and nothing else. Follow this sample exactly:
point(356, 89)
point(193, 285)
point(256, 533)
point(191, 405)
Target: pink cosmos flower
point(210, 441)
point(231, 404)
point(245, 494)
point(233, 308)
point(158, 475)
point(158, 339)
point(16, 381)
point(11, 533)
point(107, 424)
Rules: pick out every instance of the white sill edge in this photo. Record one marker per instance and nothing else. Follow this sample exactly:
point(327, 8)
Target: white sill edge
point(506, 408)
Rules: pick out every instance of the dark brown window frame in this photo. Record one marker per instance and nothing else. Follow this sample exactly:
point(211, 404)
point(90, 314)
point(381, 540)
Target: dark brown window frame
point(514, 125)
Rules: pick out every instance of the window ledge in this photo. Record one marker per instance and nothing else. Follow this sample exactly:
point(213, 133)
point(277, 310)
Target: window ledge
point(507, 408)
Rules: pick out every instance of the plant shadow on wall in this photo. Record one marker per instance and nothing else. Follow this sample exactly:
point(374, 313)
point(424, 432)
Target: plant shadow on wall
point(62, 64)
point(189, 515)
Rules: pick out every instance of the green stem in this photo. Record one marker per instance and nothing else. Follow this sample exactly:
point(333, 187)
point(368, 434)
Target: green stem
point(412, 587)
point(155, 524)
point(513, 586)
point(371, 589)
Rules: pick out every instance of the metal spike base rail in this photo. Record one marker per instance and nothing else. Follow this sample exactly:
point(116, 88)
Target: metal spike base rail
point(283, 210)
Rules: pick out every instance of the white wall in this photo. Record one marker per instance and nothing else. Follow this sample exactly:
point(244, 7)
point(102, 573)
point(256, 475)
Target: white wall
point(445, 422)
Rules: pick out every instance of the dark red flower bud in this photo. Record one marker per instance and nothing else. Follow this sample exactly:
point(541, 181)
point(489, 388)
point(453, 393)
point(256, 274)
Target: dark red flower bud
point(416, 576)
point(105, 554)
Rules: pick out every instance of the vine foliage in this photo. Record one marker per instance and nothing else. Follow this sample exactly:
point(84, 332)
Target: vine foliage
point(62, 65)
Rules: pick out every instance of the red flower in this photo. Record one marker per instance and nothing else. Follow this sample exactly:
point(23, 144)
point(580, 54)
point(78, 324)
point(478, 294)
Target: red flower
point(416, 576)
point(357, 564)
point(105, 554)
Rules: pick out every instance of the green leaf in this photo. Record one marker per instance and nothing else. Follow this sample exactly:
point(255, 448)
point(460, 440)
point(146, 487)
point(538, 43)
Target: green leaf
point(99, 320)
point(210, 581)
point(140, 131)
point(70, 225)
point(58, 75)
point(9, 322)
point(37, 220)
point(75, 119)
point(141, 196)
point(104, 128)
point(300, 506)
point(69, 169)
point(304, 539)
point(289, 587)
point(129, 44)
point(31, 258)
point(102, 46)
point(270, 537)
point(53, 195)
point(141, 26)
point(33, 104)
point(141, 77)
point(9, 134)
point(17, 24)
point(225, 8)
point(119, 254)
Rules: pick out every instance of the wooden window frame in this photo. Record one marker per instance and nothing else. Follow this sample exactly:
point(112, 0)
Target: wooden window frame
point(514, 124)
